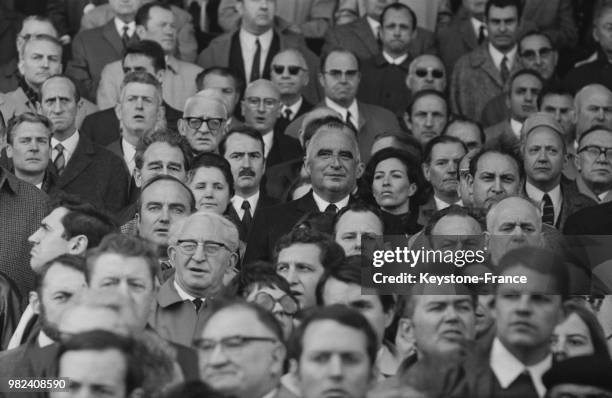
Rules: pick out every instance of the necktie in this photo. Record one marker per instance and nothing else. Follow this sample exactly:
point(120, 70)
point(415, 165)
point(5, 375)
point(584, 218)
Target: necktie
point(247, 218)
point(60, 160)
point(349, 120)
point(125, 38)
point(198, 304)
point(482, 34)
point(548, 210)
point(288, 113)
point(331, 209)
point(504, 71)
point(255, 75)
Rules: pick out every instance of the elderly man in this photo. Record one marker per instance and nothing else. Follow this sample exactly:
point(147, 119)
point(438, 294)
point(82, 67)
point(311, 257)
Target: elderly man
point(261, 109)
point(231, 87)
point(243, 148)
point(333, 164)
point(155, 22)
point(545, 153)
point(289, 71)
point(426, 72)
point(250, 361)
point(204, 120)
point(595, 178)
point(203, 250)
point(384, 73)
point(77, 162)
point(526, 315)
point(592, 107)
point(481, 74)
point(358, 223)
point(427, 115)
point(143, 56)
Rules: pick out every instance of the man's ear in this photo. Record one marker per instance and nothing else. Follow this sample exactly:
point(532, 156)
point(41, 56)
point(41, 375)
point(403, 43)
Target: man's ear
point(137, 177)
point(279, 353)
point(578, 162)
point(425, 167)
point(20, 66)
point(118, 110)
point(486, 235)
point(389, 314)
point(34, 301)
point(360, 169)
point(9, 151)
point(407, 120)
point(470, 183)
point(171, 254)
point(77, 244)
point(140, 31)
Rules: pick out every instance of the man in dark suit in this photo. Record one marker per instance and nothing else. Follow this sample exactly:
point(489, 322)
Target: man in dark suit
point(261, 109)
point(289, 71)
point(333, 164)
point(340, 79)
point(103, 127)
point(94, 48)
point(79, 166)
point(66, 15)
point(240, 51)
point(384, 75)
point(244, 150)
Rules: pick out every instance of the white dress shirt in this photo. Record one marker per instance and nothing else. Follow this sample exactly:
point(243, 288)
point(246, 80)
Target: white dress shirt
point(353, 108)
point(44, 340)
point(268, 140)
point(394, 61)
point(498, 56)
point(119, 24)
point(537, 195)
point(129, 155)
point(374, 25)
point(507, 367)
point(516, 127)
point(295, 108)
point(184, 295)
point(248, 46)
point(322, 203)
point(238, 200)
point(476, 24)
point(440, 204)
point(69, 145)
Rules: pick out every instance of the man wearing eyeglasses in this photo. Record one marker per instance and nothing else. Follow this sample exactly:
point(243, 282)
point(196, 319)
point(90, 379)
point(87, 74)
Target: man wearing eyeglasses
point(290, 74)
point(594, 163)
point(204, 120)
point(242, 352)
point(203, 250)
point(261, 109)
point(593, 107)
point(385, 73)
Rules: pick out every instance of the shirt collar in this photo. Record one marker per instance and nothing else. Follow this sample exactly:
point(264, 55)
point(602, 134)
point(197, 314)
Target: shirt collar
point(322, 203)
point(516, 127)
point(268, 140)
point(507, 367)
point(476, 24)
point(69, 144)
point(182, 294)
point(440, 204)
point(394, 61)
point(119, 24)
point(353, 108)
point(265, 39)
point(294, 108)
point(374, 25)
point(44, 340)
point(536, 195)
point(498, 56)
point(172, 64)
point(237, 202)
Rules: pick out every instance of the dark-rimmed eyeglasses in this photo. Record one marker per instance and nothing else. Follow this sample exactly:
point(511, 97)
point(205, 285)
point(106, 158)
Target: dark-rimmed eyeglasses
point(230, 344)
point(293, 69)
point(266, 301)
point(435, 73)
point(595, 151)
point(337, 73)
point(530, 55)
point(211, 248)
point(213, 123)
point(254, 102)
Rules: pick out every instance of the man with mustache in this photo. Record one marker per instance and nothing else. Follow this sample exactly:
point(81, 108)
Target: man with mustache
point(243, 148)
point(440, 168)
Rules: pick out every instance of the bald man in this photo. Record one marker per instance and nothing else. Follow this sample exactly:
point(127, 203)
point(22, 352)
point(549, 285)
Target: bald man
point(204, 120)
point(261, 107)
point(593, 107)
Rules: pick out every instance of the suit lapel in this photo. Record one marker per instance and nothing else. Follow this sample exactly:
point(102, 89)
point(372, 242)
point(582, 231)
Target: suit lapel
point(274, 49)
point(236, 62)
point(467, 34)
point(363, 115)
point(306, 203)
point(80, 159)
point(110, 34)
point(488, 66)
point(362, 29)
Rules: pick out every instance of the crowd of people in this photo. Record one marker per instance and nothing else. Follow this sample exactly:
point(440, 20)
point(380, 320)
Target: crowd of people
point(190, 189)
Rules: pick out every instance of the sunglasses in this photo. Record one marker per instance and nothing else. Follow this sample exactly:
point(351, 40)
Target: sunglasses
point(293, 69)
point(265, 300)
point(436, 73)
point(530, 55)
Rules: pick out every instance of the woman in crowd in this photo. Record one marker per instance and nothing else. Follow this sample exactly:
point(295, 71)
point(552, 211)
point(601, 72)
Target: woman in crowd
point(211, 182)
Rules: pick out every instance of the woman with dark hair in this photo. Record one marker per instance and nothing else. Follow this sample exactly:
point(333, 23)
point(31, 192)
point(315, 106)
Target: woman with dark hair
point(211, 181)
point(392, 179)
point(580, 333)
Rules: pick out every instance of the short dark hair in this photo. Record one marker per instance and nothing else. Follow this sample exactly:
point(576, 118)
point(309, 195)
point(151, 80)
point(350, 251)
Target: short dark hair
point(167, 136)
point(341, 314)
point(341, 51)
point(143, 14)
point(503, 4)
point(77, 263)
point(523, 72)
point(553, 89)
point(441, 139)
point(406, 142)
point(399, 7)
point(358, 206)
point(534, 32)
point(213, 160)
point(244, 130)
point(331, 252)
point(267, 318)
point(424, 93)
point(126, 246)
point(148, 48)
point(164, 177)
point(223, 72)
point(542, 261)
point(101, 340)
point(259, 273)
point(457, 118)
point(83, 218)
point(349, 271)
point(501, 150)
point(26, 117)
